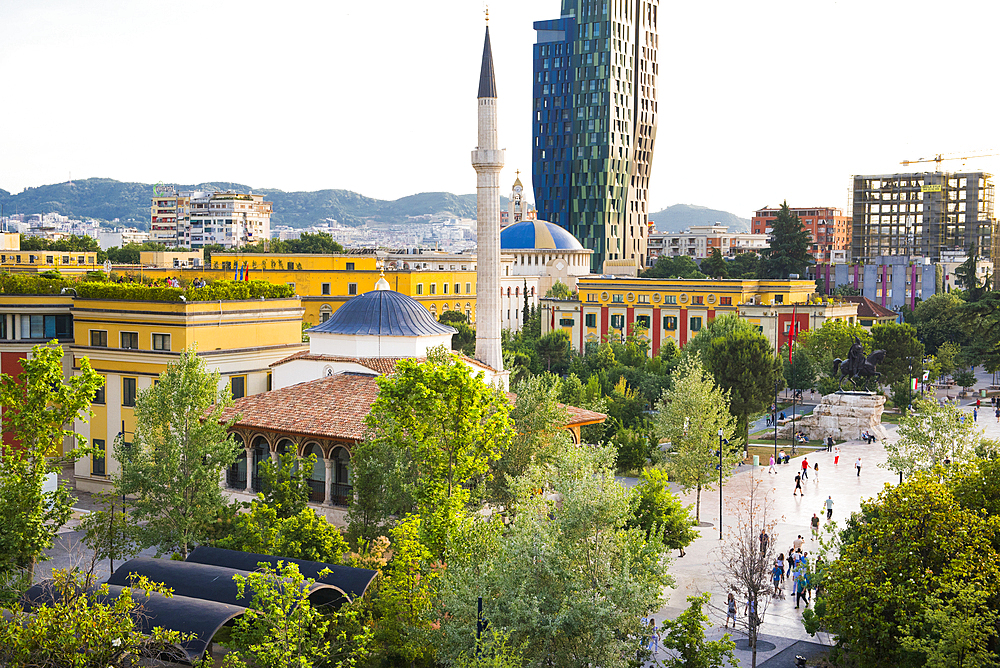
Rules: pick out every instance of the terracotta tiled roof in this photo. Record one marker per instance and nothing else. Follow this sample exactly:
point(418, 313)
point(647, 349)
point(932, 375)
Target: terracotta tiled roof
point(382, 365)
point(332, 407)
point(869, 309)
point(577, 416)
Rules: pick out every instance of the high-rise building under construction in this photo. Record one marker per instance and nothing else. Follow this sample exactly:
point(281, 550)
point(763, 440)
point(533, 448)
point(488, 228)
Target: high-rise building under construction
point(594, 123)
point(923, 215)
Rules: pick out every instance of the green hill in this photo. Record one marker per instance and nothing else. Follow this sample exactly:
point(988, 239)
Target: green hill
point(107, 199)
point(675, 218)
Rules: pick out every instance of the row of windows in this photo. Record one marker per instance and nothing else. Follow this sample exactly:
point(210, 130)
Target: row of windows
point(237, 384)
point(352, 289)
point(49, 259)
point(128, 340)
point(42, 327)
point(444, 288)
point(618, 322)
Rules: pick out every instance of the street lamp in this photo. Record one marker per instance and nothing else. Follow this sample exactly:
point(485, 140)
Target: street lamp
point(721, 441)
point(774, 420)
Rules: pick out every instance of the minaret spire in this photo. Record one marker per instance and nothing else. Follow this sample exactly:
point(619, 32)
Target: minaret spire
point(488, 160)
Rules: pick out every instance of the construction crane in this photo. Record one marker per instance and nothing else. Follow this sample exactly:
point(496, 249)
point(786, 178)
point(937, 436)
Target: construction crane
point(938, 159)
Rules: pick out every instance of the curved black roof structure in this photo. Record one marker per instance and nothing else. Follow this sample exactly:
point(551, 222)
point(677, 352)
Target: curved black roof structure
point(382, 313)
point(487, 79)
point(211, 583)
point(195, 616)
point(352, 582)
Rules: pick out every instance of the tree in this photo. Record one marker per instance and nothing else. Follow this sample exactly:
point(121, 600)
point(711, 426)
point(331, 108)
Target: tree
point(108, 533)
point(553, 349)
point(181, 446)
point(964, 379)
point(967, 276)
point(658, 512)
point(744, 265)
point(280, 628)
point(956, 628)
point(453, 318)
point(285, 484)
point(568, 580)
point(680, 266)
point(447, 427)
point(686, 637)
point(79, 624)
point(526, 309)
point(946, 356)
point(929, 436)
point(38, 405)
point(745, 562)
point(714, 266)
point(846, 290)
point(743, 364)
point(721, 326)
point(801, 372)
point(915, 543)
point(789, 250)
point(833, 340)
point(558, 291)
point(689, 416)
point(904, 354)
point(304, 535)
point(903, 394)
point(938, 320)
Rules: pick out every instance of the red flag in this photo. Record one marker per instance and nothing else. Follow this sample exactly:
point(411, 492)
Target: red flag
point(791, 335)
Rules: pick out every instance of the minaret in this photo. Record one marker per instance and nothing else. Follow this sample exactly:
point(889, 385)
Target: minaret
point(487, 160)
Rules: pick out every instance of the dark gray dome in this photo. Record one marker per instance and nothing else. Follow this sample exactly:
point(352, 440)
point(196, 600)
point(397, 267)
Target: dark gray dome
point(383, 313)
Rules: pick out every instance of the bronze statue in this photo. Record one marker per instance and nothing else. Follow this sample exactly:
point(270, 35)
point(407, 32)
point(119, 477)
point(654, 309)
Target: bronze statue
point(857, 367)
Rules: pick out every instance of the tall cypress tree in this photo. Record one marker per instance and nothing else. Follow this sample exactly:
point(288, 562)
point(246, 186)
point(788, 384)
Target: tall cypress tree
point(789, 252)
point(525, 312)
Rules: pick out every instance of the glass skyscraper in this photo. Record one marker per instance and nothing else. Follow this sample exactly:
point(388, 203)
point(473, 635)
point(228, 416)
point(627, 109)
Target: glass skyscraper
point(594, 119)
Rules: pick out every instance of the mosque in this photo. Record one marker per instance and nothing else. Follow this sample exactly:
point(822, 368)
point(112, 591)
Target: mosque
point(320, 398)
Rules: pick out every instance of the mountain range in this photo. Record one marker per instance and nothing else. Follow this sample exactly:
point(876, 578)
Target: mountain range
point(107, 199)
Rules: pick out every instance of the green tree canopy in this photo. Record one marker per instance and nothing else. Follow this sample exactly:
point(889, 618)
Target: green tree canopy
point(656, 510)
point(904, 354)
point(744, 265)
point(714, 265)
point(689, 417)
point(938, 321)
point(721, 326)
point(39, 408)
point(743, 363)
point(181, 445)
point(789, 250)
point(680, 266)
point(801, 372)
point(930, 435)
point(559, 290)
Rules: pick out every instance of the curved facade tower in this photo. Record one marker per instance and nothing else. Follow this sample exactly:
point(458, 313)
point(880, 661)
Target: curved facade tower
point(487, 160)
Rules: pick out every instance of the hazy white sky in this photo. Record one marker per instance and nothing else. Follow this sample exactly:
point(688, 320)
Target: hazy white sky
point(759, 102)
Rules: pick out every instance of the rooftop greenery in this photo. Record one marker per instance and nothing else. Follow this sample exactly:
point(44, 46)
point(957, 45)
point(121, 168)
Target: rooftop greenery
point(26, 284)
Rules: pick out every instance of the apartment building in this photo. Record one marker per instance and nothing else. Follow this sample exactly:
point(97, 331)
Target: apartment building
point(698, 242)
point(829, 229)
point(196, 219)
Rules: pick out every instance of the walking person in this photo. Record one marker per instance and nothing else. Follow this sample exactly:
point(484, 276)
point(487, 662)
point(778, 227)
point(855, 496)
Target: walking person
point(763, 541)
point(731, 610)
point(998, 415)
point(770, 469)
point(776, 572)
point(816, 472)
point(814, 523)
point(798, 485)
point(829, 507)
point(654, 638)
point(836, 455)
point(780, 563)
point(805, 469)
point(857, 465)
point(975, 413)
point(800, 587)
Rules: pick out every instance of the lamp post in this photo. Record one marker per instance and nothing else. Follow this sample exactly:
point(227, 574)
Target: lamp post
point(774, 420)
point(720, 483)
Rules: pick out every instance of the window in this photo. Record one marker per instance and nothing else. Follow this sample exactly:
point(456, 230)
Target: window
point(239, 386)
point(468, 288)
point(352, 288)
point(618, 321)
point(420, 288)
point(618, 298)
point(128, 391)
point(433, 288)
point(779, 299)
point(349, 266)
point(444, 288)
point(99, 394)
point(268, 381)
point(725, 301)
point(590, 319)
point(695, 324)
point(670, 299)
point(161, 342)
point(642, 321)
point(325, 311)
point(325, 289)
point(130, 340)
point(98, 457)
point(669, 323)
point(458, 288)
point(697, 299)
point(566, 322)
point(591, 297)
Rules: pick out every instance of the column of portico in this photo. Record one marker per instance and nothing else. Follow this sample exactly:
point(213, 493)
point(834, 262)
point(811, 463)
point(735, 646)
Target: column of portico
point(249, 486)
point(327, 497)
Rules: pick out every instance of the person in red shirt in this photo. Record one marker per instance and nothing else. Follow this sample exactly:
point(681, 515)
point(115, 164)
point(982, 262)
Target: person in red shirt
point(805, 469)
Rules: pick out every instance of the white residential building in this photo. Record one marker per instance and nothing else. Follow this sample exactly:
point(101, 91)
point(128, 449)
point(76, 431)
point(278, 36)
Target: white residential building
point(196, 219)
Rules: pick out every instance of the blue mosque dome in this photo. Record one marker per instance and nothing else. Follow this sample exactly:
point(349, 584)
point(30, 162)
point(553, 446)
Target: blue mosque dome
point(537, 235)
point(382, 312)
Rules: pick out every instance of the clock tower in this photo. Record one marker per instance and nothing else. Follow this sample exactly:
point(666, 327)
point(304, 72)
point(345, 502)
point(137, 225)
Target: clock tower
point(517, 202)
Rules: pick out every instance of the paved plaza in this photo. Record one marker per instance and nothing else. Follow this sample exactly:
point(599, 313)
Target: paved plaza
point(695, 573)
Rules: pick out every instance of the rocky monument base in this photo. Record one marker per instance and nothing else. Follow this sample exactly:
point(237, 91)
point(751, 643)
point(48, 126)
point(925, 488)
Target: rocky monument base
point(843, 416)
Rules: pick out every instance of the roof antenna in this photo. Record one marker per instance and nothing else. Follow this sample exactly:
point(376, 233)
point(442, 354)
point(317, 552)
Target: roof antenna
point(487, 14)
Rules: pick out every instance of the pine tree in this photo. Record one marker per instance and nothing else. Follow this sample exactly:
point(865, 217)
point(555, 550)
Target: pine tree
point(789, 252)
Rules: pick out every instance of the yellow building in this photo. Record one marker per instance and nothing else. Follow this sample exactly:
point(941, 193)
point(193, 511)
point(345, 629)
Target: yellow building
point(659, 309)
point(131, 342)
point(39, 261)
point(325, 281)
